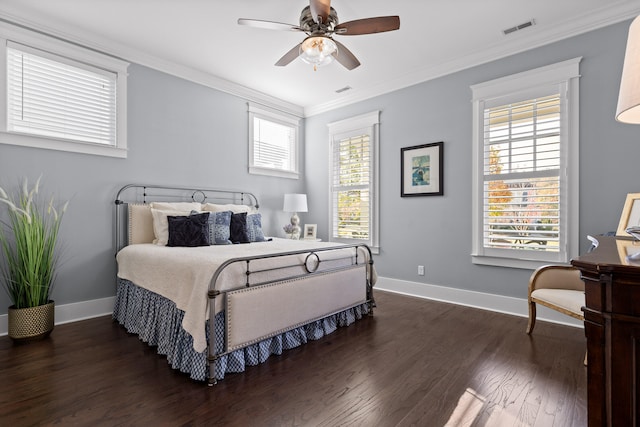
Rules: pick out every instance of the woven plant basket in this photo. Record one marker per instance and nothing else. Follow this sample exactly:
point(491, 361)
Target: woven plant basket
point(31, 323)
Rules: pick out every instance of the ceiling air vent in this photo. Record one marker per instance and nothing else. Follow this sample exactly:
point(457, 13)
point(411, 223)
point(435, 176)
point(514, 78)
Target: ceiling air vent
point(519, 27)
point(344, 89)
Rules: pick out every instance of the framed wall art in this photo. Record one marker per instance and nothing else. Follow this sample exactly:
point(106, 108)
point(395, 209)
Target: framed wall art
point(422, 170)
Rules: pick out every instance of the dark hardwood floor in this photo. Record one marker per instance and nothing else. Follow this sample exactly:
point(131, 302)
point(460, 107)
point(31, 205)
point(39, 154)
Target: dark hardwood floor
point(415, 362)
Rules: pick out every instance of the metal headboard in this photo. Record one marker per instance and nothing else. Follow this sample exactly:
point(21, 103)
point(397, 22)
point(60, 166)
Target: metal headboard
point(142, 193)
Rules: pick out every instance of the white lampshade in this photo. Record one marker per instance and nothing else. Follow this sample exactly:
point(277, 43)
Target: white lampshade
point(295, 203)
point(629, 99)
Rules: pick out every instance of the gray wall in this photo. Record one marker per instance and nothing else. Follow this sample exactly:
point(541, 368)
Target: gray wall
point(436, 231)
point(185, 134)
point(179, 133)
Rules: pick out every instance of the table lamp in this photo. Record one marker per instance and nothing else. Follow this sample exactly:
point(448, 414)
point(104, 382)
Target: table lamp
point(628, 110)
point(295, 203)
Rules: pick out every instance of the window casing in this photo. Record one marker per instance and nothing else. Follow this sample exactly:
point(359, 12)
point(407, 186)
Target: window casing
point(60, 96)
point(525, 152)
point(353, 199)
point(273, 143)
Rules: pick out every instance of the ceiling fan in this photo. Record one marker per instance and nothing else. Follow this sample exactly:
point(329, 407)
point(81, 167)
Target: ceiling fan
point(320, 22)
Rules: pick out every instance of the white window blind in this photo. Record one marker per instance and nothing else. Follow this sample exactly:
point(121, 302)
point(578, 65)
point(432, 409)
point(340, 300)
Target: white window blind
point(353, 179)
point(274, 145)
point(53, 96)
point(525, 167)
point(273, 142)
point(522, 158)
point(351, 187)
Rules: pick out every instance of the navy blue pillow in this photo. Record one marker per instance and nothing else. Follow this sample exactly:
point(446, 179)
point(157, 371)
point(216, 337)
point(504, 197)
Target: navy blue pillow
point(190, 231)
point(238, 228)
point(254, 228)
point(219, 228)
point(219, 223)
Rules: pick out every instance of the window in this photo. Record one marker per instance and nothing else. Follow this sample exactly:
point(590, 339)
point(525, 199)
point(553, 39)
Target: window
point(60, 96)
point(525, 167)
point(273, 143)
point(353, 215)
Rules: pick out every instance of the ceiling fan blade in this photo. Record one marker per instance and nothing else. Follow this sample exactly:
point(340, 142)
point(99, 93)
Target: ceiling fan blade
point(320, 10)
point(289, 56)
point(345, 57)
point(268, 25)
point(368, 26)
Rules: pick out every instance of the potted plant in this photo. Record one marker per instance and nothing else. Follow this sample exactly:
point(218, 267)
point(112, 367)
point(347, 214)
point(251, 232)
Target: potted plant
point(28, 239)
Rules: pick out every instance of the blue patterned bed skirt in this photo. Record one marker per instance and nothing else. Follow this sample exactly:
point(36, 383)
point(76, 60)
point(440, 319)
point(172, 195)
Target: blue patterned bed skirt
point(157, 321)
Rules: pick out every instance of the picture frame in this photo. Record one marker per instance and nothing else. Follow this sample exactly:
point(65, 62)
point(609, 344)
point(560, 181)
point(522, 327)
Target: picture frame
point(309, 231)
point(422, 170)
point(630, 214)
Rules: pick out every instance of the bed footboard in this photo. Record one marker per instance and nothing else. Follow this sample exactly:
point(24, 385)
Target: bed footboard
point(250, 311)
point(329, 284)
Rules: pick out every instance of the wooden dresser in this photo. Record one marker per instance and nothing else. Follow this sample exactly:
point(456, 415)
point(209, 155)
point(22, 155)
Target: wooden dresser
point(612, 327)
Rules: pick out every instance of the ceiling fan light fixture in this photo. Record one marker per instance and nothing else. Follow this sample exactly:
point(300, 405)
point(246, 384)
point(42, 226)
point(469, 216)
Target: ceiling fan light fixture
point(318, 51)
point(320, 22)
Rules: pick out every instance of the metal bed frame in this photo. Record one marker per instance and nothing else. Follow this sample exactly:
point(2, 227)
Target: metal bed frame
point(311, 264)
point(144, 193)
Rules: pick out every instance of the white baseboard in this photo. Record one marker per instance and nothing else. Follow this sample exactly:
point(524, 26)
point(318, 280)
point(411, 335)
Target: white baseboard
point(491, 302)
point(73, 312)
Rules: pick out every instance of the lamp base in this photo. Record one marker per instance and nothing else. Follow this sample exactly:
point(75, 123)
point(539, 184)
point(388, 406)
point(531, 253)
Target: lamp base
point(295, 228)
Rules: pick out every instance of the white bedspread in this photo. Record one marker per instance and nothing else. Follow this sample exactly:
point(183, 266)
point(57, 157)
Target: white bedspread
point(183, 274)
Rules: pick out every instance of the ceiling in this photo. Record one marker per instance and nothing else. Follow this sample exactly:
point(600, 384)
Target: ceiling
point(201, 40)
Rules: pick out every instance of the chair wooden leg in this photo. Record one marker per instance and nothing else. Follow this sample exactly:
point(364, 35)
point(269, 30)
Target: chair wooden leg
point(586, 353)
point(532, 317)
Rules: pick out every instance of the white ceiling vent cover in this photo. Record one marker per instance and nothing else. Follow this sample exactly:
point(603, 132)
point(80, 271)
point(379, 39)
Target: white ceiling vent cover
point(522, 26)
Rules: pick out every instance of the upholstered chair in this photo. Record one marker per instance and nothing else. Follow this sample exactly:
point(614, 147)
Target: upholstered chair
point(557, 287)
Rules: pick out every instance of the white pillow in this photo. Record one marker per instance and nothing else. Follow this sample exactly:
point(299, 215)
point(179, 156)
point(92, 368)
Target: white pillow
point(140, 224)
point(212, 207)
point(176, 206)
point(161, 224)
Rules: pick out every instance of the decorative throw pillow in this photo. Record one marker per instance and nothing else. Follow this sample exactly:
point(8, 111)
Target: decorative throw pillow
point(219, 224)
point(140, 223)
point(192, 230)
point(161, 225)
point(238, 228)
point(254, 228)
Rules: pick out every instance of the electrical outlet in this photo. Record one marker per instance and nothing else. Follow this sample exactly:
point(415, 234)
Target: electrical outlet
point(421, 270)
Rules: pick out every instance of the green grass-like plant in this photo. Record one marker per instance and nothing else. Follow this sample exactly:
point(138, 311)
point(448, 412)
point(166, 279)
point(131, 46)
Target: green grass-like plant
point(28, 242)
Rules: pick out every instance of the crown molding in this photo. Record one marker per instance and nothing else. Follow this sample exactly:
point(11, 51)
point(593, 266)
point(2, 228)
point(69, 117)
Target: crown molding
point(577, 25)
point(120, 51)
